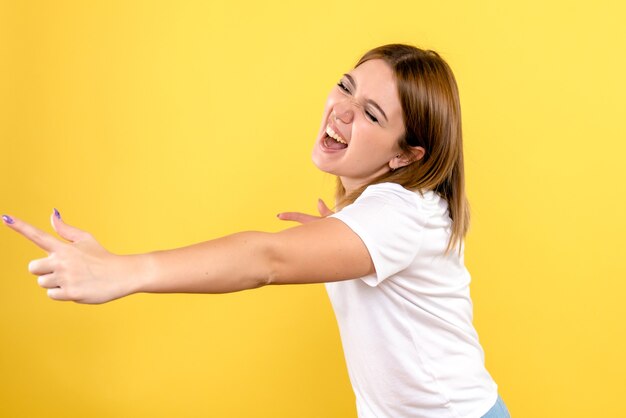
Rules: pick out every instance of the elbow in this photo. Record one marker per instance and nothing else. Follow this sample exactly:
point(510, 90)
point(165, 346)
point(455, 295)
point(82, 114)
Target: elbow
point(262, 263)
point(269, 280)
point(274, 270)
point(272, 275)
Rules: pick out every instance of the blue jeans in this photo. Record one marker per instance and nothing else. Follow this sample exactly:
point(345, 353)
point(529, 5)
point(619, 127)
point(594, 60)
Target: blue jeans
point(498, 410)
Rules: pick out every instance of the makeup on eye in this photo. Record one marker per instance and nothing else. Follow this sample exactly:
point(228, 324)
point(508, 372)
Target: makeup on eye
point(343, 86)
point(369, 114)
point(371, 117)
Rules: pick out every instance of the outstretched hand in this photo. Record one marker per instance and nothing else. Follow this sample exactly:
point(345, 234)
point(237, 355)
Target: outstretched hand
point(305, 218)
point(81, 270)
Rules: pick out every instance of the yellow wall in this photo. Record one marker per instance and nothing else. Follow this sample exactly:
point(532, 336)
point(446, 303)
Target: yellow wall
point(159, 124)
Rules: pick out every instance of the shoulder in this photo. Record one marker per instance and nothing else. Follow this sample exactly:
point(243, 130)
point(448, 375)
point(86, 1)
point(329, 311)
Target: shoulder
point(425, 201)
point(392, 222)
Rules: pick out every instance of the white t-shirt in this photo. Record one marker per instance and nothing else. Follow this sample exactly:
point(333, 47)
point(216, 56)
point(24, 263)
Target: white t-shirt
point(410, 346)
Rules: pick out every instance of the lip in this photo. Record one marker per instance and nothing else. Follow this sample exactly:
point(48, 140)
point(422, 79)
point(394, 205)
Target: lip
point(336, 129)
point(329, 150)
point(322, 135)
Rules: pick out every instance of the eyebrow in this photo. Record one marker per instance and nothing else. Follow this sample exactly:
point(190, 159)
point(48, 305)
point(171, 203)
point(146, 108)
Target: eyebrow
point(370, 101)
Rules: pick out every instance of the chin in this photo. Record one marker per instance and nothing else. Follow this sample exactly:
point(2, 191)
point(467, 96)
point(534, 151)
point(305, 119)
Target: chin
point(323, 167)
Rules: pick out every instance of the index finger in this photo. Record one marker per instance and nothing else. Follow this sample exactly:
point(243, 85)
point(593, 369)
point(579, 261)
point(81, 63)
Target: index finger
point(42, 239)
point(297, 217)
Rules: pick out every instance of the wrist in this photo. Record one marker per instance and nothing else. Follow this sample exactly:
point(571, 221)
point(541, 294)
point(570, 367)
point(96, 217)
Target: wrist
point(136, 272)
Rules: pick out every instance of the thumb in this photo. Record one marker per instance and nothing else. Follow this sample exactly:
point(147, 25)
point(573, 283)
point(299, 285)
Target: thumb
point(66, 231)
point(323, 209)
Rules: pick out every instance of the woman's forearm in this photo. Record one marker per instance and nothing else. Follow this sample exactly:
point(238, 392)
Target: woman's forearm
point(83, 271)
point(228, 264)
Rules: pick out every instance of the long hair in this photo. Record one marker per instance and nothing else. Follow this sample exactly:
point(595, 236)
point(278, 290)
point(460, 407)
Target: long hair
point(432, 118)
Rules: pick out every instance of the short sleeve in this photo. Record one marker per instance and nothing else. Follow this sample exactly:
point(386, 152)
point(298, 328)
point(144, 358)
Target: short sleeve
point(388, 219)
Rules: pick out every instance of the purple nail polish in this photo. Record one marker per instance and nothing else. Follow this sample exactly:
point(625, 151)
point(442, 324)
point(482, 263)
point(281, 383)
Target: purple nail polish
point(57, 214)
point(7, 219)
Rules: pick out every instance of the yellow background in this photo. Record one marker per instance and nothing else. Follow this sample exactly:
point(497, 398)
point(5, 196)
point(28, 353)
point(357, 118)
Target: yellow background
point(155, 125)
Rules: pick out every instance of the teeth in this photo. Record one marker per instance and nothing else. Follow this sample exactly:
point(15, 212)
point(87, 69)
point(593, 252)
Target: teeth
point(334, 135)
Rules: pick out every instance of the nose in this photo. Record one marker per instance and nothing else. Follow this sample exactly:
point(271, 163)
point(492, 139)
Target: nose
point(343, 111)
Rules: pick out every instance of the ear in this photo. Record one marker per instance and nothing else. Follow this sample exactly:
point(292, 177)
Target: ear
point(404, 159)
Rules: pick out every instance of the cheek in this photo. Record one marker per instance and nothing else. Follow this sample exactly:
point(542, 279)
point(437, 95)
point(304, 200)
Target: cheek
point(373, 138)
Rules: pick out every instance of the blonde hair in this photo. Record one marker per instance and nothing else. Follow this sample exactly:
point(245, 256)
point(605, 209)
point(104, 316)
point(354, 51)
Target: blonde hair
point(432, 118)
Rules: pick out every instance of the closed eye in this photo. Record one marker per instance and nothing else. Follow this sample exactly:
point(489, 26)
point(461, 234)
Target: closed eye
point(343, 87)
point(371, 117)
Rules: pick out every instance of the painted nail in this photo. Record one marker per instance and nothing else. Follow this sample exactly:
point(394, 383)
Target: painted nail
point(57, 214)
point(7, 219)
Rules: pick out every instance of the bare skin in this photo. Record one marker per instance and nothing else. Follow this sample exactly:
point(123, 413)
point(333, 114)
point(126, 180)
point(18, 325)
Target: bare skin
point(78, 268)
point(82, 270)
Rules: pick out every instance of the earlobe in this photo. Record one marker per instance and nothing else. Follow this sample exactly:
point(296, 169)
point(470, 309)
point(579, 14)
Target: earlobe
point(395, 162)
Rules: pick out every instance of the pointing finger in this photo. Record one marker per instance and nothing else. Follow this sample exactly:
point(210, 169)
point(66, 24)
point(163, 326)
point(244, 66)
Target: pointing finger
point(42, 239)
point(297, 217)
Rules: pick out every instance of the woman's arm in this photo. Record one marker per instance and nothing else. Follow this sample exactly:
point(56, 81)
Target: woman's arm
point(83, 271)
point(325, 250)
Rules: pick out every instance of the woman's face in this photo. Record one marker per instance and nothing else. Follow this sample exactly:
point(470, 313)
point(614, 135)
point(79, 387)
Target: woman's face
point(364, 113)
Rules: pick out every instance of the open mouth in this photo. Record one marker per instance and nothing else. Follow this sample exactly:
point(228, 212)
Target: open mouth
point(332, 140)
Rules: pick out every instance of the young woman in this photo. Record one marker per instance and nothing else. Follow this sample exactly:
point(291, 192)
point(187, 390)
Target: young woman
point(391, 257)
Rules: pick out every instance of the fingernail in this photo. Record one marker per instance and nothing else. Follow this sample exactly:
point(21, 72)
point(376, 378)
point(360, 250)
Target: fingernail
point(7, 219)
point(278, 215)
point(57, 214)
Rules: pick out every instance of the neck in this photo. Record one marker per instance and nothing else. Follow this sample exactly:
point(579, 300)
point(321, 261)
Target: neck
point(352, 184)
point(349, 185)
